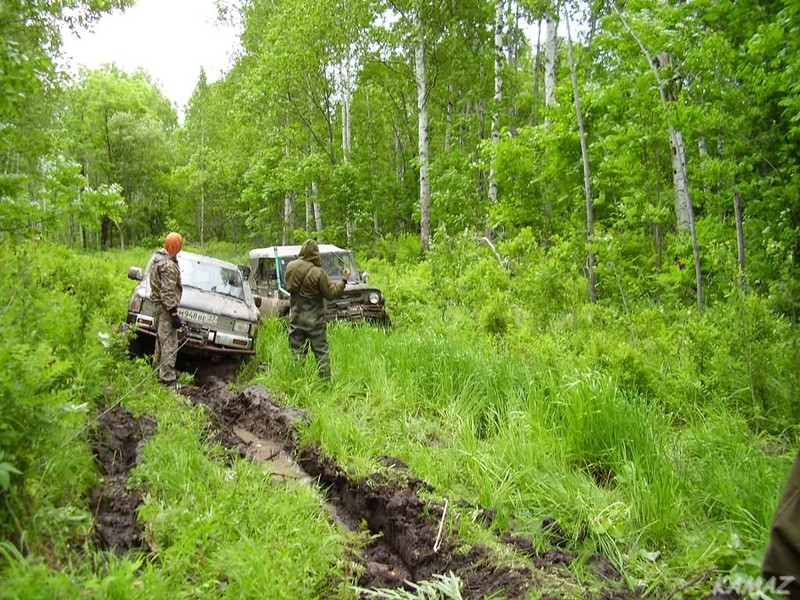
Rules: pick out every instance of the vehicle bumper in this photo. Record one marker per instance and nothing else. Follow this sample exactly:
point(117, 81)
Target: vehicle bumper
point(196, 339)
point(358, 314)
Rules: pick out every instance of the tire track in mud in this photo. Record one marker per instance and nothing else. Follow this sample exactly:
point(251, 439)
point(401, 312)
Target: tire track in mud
point(116, 444)
point(405, 524)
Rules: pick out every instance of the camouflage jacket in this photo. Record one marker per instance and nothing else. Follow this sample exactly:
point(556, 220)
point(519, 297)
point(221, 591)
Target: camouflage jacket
point(309, 285)
point(165, 280)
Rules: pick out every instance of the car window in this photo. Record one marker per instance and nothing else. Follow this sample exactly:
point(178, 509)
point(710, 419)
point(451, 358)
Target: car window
point(334, 262)
point(212, 278)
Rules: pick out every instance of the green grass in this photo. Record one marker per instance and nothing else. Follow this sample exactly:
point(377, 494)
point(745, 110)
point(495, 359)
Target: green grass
point(657, 438)
point(544, 437)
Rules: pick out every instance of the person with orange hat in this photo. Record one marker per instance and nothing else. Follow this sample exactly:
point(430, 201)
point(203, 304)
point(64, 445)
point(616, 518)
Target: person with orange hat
point(165, 293)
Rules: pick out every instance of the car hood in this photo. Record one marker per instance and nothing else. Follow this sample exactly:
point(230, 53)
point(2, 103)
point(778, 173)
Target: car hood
point(218, 304)
point(360, 287)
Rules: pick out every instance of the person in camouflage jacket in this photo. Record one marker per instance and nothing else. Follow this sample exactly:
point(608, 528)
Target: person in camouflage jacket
point(165, 293)
point(310, 287)
point(782, 558)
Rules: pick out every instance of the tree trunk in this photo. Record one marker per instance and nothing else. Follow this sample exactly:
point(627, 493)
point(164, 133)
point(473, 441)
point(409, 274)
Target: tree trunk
point(202, 214)
point(121, 237)
point(512, 48)
point(537, 69)
point(587, 179)
point(422, 120)
point(680, 180)
point(288, 217)
point(318, 216)
point(684, 211)
point(105, 233)
point(448, 117)
point(316, 208)
point(737, 209)
point(309, 211)
point(499, 18)
point(345, 94)
point(550, 56)
point(203, 169)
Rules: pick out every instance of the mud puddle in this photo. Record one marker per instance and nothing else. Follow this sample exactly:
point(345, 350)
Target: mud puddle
point(272, 455)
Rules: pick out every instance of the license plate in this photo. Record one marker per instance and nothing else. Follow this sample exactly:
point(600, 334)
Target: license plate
point(197, 317)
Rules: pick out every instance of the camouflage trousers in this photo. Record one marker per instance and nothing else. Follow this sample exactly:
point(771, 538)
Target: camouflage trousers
point(166, 346)
point(301, 337)
point(782, 558)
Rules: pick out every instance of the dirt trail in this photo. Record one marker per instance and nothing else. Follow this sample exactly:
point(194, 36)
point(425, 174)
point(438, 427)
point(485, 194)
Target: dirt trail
point(404, 522)
point(392, 503)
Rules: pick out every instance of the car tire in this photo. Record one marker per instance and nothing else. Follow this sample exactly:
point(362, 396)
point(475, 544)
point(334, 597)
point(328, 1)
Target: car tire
point(141, 345)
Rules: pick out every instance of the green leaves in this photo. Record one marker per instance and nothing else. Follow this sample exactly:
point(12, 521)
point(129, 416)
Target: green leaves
point(6, 471)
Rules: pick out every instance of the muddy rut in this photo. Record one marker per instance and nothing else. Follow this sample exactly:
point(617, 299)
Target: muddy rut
point(408, 542)
point(116, 442)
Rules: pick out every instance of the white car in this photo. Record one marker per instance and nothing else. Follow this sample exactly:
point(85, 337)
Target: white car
point(218, 309)
point(359, 303)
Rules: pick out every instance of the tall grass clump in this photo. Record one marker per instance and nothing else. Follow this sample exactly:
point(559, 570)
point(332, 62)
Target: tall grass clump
point(58, 312)
point(227, 527)
point(625, 423)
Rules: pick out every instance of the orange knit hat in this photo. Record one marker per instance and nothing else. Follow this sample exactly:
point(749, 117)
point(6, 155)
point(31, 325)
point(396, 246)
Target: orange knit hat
point(173, 243)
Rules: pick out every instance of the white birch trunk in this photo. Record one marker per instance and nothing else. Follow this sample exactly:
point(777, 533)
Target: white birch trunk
point(550, 58)
point(288, 216)
point(309, 210)
point(537, 69)
point(422, 112)
point(680, 180)
point(499, 18)
point(684, 211)
point(317, 208)
point(346, 102)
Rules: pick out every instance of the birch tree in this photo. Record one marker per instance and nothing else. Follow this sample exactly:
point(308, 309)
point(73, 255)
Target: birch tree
point(422, 129)
point(683, 202)
point(497, 101)
point(587, 176)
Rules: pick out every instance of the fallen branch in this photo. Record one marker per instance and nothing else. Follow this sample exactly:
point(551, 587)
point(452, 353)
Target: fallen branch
point(438, 543)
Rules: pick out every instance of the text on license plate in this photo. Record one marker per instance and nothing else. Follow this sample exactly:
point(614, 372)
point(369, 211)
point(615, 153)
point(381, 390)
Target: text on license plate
point(198, 317)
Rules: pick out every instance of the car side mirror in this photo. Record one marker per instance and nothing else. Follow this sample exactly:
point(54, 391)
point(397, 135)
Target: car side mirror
point(364, 276)
point(257, 300)
point(245, 269)
point(135, 273)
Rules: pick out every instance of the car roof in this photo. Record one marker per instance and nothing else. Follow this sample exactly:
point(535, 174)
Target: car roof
point(191, 256)
point(290, 251)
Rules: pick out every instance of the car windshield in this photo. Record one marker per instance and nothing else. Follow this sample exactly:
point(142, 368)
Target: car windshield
point(210, 277)
point(334, 262)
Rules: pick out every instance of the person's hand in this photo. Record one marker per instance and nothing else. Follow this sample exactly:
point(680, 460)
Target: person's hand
point(176, 320)
point(345, 274)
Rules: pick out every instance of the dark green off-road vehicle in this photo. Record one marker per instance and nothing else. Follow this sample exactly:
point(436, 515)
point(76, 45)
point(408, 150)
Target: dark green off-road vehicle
point(359, 303)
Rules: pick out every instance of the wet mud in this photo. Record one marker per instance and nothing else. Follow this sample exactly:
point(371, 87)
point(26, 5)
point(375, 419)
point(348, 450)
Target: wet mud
point(116, 443)
point(403, 519)
point(411, 538)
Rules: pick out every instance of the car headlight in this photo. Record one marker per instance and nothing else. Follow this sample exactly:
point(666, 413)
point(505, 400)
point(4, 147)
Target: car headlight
point(135, 304)
point(241, 327)
point(374, 297)
point(253, 329)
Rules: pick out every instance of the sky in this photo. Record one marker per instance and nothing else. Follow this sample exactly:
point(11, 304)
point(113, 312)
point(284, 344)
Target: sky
point(169, 39)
